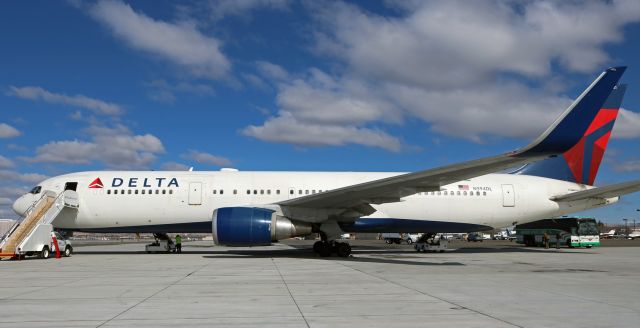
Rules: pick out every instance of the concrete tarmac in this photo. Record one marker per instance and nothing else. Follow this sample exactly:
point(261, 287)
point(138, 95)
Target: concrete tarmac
point(286, 285)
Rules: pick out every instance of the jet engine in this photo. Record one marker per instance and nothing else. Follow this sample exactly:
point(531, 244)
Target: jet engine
point(254, 226)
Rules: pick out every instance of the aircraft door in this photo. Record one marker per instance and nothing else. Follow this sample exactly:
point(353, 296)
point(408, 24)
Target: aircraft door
point(508, 196)
point(195, 193)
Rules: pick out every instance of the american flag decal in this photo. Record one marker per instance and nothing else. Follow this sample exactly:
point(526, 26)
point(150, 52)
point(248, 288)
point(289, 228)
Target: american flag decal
point(463, 187)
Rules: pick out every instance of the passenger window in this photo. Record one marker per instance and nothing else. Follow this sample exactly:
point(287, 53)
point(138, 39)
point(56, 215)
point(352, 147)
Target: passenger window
point(291, 192)
point(108, 192)
point(170, 191)
point(129, 191)
point(306, 192)
point(164, 191)
point(458, 193)
point(464, 193)
point(255, 191)
point(248, 192)
point(438, 193)
point(157, 192)
point(215, 191)
point(446, 193)
point(235, 191)
point(136, 192)
point(268, 191)
point(221, 191)
point(143, 191)
point(261, 191)
point(477, 193)
point(278, 192)
point(299, 191)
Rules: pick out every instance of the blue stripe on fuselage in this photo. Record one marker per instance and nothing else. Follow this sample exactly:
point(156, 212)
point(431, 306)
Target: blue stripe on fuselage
point(360, 225)
point(406, 225)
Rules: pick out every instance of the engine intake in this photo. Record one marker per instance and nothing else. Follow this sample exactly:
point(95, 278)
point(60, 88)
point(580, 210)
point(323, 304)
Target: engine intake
point(253, 226)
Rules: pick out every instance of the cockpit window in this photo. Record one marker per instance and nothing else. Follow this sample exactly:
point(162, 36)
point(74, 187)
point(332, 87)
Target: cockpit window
point(35, 190)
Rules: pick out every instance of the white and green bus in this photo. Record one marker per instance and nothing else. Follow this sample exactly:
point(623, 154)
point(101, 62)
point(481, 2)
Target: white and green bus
point(572, 232)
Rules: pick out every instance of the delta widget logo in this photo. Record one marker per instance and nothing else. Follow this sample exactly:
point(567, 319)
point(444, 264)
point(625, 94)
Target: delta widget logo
point(96, 184)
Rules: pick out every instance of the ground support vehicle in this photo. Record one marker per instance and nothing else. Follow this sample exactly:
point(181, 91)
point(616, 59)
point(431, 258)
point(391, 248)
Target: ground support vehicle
point(572, 232)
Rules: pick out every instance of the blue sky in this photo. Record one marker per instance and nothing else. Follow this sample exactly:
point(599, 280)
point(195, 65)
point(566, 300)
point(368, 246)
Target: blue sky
point(305, 85)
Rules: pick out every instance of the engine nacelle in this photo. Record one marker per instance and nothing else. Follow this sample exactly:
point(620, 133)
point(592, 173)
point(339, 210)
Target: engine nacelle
point(252, 226)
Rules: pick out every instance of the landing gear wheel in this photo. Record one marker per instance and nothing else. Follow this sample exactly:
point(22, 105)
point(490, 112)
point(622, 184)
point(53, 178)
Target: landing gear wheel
point(343, 249)
point(324, 249)
point(67, 251)
point(317, 245)
point(409, 241)
point(44, 254)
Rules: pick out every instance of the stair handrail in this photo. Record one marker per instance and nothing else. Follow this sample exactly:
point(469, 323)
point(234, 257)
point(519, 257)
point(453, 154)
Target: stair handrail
point(58, 203)
point(9, 232)
point(46, 193)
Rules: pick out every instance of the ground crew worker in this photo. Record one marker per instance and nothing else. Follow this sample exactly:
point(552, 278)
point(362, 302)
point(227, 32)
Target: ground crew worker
point(178, 244)
point(545, 239)
point(558, 236)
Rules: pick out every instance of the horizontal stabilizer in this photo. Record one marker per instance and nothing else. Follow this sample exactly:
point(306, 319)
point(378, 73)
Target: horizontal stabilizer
point(614, 190)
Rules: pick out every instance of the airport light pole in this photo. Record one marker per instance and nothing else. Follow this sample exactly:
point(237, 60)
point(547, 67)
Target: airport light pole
point(626, 230)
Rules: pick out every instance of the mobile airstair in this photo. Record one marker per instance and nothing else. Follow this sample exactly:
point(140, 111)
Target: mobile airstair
point(33, 233)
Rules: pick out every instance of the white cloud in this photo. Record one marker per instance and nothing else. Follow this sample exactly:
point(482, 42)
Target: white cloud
point(272, 71)
point(287, 129)
point(627, 125)
point(6, 163)
point(444, 44)
point(468, 69)
point(165, 92)
point(224, 8)
point(173, 166)
point(507, 110)
point(180, 43)
point(12, 192)
point(80, 101)
point(22, 177)
point(318, 109)
point(631, 165)
point(206, 158)
point(116, 147)
point(7, 131)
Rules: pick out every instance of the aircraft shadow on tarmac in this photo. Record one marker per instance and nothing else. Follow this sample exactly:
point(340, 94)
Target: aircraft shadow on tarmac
point(404, 256)
point(303, 253)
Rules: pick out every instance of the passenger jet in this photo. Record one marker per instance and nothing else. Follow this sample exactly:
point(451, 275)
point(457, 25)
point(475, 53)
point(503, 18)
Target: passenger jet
point(553, 176)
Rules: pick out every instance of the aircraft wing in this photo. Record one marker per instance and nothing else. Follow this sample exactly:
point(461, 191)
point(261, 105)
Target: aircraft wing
point(614, 190)
point(563, 134)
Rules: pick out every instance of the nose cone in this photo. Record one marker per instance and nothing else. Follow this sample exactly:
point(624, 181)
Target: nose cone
point(21, 205)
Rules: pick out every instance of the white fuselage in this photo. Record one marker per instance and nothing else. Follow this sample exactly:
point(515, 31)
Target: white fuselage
point(172, 200)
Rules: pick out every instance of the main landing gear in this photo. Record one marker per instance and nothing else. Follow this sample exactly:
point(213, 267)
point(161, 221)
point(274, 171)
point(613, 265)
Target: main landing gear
point(325, 248)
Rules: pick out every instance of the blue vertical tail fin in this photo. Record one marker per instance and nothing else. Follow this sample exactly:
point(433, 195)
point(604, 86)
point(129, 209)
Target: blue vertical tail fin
point(581, 162)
